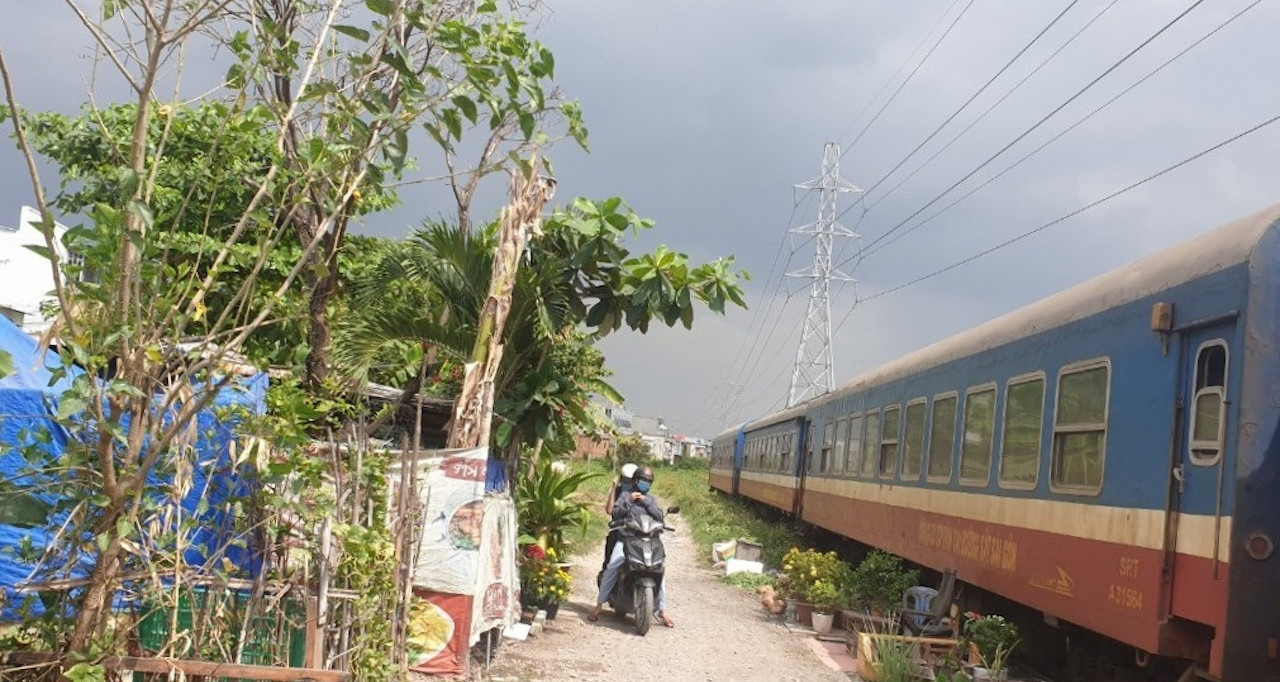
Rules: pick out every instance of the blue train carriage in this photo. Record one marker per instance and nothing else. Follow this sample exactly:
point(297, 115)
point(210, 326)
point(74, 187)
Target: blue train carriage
point(773, 458)
point(726, 459)
point(1108, 456)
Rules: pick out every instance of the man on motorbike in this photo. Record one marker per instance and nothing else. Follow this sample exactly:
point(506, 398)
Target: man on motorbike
point(622, 487)
point(639, 502)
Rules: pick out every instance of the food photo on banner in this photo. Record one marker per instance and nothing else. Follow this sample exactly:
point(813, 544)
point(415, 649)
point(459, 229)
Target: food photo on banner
point(465, 579)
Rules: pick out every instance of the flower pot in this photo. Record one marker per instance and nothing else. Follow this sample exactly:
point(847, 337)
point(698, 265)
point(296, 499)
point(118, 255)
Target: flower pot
point(552, 609)
point(822, 622)
point(980, 673)
point(804, 613)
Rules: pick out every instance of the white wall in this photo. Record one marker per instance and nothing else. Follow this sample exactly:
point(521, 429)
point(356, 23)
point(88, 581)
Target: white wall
point(25, 278)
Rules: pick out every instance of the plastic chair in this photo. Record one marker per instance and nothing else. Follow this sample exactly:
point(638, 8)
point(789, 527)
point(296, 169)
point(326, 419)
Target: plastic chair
point(918, 600)
point(925, 610)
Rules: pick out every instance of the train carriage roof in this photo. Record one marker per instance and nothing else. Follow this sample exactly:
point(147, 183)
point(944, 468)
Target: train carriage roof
point(1210, 252)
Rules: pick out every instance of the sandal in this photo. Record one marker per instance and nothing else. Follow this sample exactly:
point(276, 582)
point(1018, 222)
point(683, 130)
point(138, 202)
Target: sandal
point(594, 615)
point(666, 620)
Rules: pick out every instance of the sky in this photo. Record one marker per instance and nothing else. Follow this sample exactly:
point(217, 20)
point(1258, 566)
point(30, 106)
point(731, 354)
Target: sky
point(704, 115)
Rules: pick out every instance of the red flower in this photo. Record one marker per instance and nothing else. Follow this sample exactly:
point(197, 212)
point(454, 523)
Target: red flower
point(535, 552)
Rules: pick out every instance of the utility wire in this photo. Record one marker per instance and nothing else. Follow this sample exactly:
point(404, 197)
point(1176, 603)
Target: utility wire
point(908, 78)
point(840, 255)
point(1039, 123)
point(881, 197)
point(872, 250)
point(731, 381)
point(1072, 214)
point(977, 93)
point(867, 107)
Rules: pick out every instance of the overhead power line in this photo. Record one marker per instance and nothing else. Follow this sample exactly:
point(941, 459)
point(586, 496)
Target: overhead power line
point(977, 93)
point(911, 75)
point(1072, 214)
point(1017, 86)
point(1039, 123)
point(870, 251)
point(910, 57)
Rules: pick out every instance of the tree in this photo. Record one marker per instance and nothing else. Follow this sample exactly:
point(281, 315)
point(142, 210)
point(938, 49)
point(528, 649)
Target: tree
point(151, 330)
point(579, 284)
point(440, 66)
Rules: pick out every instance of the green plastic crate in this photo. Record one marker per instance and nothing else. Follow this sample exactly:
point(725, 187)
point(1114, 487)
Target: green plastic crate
point(274, 638)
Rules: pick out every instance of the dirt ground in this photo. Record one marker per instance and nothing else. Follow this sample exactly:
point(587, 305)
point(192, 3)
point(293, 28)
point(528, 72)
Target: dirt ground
point(720, 633)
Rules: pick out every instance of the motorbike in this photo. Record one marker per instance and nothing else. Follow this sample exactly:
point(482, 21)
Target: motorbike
point(642, 570)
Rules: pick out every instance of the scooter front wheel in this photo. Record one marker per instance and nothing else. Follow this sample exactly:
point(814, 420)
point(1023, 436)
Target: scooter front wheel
point(644, 609)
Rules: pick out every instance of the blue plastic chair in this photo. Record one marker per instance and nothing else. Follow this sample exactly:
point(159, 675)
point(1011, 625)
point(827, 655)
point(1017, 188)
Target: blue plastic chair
point(925, 609)
point(918, 600)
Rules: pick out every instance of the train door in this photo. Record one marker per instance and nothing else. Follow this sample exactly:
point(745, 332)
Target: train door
point(1200, 461)
point(805, 436)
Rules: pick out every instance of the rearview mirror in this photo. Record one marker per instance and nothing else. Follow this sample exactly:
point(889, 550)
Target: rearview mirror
point(674, 510)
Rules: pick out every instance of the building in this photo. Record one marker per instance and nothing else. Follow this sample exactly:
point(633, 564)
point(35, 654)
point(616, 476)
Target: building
point(27, 277)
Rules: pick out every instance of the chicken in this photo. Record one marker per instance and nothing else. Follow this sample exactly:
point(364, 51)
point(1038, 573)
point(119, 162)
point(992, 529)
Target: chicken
point(772, 601)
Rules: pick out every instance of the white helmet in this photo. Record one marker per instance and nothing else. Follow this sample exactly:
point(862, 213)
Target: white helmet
point(628, 470)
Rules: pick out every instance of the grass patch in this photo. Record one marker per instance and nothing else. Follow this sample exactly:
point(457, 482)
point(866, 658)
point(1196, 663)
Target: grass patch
point(715, 518)
point(711, 516)
point(747, 581)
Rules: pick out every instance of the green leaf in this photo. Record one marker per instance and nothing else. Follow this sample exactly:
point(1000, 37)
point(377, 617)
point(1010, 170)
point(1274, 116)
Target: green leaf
point(352, 31)
point(6, 364)
point(383, 7)
point(467, 106)
point(70, 405)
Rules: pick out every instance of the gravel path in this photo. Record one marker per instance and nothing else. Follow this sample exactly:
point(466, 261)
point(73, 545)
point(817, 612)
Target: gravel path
point(721, 634)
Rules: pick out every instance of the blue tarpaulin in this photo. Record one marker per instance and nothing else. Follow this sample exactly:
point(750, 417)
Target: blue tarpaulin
point(29, 501)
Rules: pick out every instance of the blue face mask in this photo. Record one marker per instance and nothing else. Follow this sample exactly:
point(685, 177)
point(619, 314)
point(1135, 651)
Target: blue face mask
point(643, 486)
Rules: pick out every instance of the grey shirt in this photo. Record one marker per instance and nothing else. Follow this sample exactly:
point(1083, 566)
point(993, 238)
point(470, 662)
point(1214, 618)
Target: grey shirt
point(627, 508)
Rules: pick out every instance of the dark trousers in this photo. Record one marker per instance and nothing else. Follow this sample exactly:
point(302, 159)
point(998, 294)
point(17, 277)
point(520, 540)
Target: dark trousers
point(610, 540)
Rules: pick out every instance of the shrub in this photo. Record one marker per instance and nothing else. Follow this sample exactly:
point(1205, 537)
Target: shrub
point(826, 597)
point(803, 570)
point(542, 581)
point(994, 637)
point(880, 580)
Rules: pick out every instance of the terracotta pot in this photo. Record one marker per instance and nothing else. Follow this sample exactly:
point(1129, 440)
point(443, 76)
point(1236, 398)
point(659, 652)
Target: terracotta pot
point(804, 613)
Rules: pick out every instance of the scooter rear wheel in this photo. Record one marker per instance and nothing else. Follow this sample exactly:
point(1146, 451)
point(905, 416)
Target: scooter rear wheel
point(644, 609)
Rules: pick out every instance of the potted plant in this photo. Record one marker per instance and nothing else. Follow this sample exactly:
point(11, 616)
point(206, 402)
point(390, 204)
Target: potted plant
point(879, 581)
point(826, 598)
point(543, 582)
point(801, 570)
point(994, 639)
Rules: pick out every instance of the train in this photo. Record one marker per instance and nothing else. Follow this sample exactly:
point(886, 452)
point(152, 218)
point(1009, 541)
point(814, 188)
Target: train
point(1105, 461)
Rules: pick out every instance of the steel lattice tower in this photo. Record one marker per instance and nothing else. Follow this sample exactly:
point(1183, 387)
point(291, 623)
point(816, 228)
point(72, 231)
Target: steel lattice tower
point(813, 373)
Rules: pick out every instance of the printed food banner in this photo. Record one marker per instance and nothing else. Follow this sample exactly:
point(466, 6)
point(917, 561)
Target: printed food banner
point(497, 603)
point(439, 625)
point(452, 496)
point(465, 577)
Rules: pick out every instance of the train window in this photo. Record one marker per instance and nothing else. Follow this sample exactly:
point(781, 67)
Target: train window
point(1080, 427)
point(913, 448)
point(871, 444)
point(1207, 422)
point(889, 442)
point(828, 440)
point(979, 436)
point(942, 437)
point(854, 455)
point(1023, 420)
point(842, 439)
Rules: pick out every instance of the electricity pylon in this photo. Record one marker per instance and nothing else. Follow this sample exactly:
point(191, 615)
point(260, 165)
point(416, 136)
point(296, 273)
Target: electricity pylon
point(813, 373)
